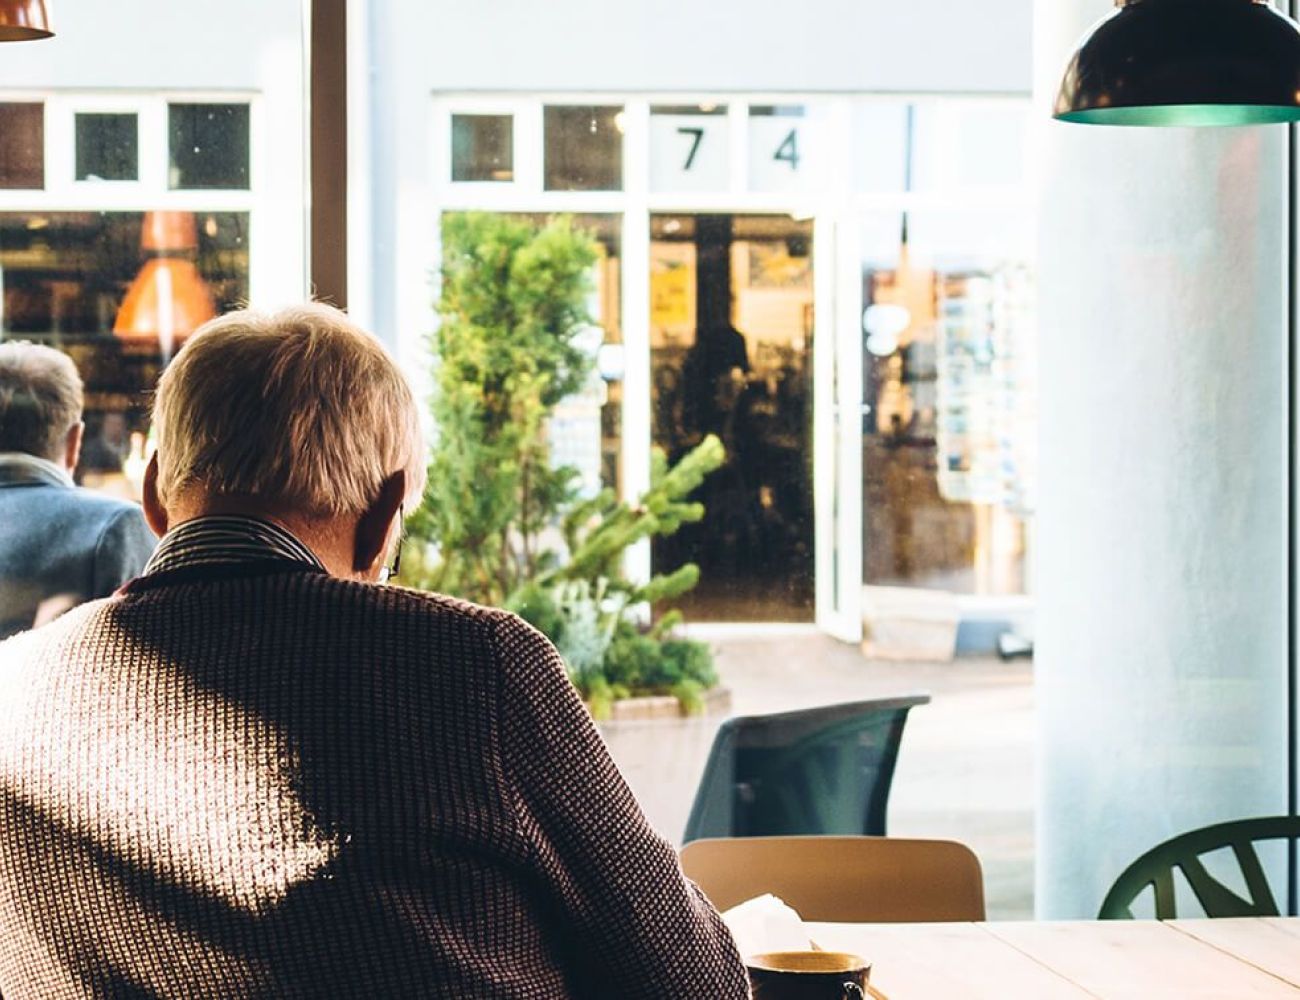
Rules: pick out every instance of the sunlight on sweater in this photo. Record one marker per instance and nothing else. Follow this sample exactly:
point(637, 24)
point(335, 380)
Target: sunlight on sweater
point(165, 774)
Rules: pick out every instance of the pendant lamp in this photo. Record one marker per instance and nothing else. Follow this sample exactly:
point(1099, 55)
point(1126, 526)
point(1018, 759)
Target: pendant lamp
point(24, 21)
point(168, 300)
point(1185, 62)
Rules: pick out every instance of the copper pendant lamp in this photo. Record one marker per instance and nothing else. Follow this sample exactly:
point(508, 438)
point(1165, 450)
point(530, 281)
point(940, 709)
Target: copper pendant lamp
point(168, 300)
point(1185, 62)
point(24, 21)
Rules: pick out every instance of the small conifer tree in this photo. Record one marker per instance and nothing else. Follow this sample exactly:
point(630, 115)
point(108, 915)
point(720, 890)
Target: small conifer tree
point(500, 525)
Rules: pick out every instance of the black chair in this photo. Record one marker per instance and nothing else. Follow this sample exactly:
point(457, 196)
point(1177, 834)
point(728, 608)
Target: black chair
point(820, 770)
point(1155, 869)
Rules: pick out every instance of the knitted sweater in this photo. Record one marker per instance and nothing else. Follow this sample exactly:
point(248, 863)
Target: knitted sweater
point(261, 781)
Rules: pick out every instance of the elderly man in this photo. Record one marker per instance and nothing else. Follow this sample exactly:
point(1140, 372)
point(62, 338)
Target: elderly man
point(59, 545)
point(256, 773)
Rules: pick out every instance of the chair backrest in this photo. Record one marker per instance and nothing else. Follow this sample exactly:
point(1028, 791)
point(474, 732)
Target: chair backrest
point(850, 879)
point(823, 770)
point(1155, 869)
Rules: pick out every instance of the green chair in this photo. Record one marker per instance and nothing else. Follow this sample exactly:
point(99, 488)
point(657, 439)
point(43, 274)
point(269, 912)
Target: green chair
point(821, 770)
point(1156, 868)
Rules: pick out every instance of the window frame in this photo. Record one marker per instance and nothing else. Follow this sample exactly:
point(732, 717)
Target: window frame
point(63, 193)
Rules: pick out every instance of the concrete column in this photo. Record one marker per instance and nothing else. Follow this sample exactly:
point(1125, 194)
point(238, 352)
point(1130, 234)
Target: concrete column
point(1162, 528)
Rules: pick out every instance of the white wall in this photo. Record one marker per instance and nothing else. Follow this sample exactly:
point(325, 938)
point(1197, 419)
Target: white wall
point(253, 46)
point(1161, 666)
point(736, 45)
point(209, 44)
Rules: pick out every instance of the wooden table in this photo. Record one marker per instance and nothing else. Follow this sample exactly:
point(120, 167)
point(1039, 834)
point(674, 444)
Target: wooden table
point(1128, 959)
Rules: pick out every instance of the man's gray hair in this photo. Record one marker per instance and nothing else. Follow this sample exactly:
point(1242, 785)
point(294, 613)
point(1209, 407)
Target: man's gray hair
point(41, 398)
point(300, 408)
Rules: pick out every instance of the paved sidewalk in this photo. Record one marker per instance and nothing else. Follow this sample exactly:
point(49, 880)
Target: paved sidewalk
point(965, 770)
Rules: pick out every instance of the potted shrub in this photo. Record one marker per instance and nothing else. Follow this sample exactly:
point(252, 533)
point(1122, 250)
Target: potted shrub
point(500, 523)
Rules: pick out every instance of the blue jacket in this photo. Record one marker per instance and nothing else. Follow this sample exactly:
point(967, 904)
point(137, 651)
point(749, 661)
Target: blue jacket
point(62, 544)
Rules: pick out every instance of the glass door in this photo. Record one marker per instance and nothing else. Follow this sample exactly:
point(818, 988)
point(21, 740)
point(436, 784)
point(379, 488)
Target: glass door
point(731, 336)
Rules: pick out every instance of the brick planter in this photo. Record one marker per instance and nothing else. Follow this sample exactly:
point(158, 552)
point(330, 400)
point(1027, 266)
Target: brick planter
point(717, 701)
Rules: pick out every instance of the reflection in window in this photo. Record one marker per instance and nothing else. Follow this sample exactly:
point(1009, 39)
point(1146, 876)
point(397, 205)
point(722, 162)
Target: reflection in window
point(22, 145)
point(108, 147)
point(731, 335)
point(584, 148)
point(66, 280)
point(482, 148)
point(948, 442)
point(209, 146)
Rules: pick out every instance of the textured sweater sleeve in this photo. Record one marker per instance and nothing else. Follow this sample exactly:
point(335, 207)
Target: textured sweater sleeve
point(636, 926)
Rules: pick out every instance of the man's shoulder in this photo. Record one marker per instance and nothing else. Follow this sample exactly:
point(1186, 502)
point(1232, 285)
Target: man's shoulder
point(86, 503)
point(417, 603)
point(55, 635)
point(108, 507)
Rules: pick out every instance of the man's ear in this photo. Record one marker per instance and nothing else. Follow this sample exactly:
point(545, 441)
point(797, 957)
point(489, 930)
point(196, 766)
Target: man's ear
point(72, 445)
point(154, 512)
point(375, 522)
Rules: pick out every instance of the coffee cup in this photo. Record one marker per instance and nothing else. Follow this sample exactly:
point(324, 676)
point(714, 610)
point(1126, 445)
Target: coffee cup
point(808, 975)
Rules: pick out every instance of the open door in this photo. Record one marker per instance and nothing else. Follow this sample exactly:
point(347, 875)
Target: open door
point(837, 428)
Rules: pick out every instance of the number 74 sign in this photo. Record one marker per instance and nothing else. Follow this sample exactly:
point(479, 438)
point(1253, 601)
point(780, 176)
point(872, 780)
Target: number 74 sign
point(691, 153)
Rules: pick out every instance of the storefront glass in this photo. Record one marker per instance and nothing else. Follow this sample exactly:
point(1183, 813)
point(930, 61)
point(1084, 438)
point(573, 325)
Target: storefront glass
point(99, 286)
point(125, 223)
point(731, 335)
point(719, 209)
point(948, 389)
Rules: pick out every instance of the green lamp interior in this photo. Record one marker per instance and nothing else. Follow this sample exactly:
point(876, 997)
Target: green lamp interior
point(1186, 115)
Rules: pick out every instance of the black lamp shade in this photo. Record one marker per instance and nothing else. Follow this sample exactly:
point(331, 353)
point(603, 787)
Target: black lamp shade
point(1185, 62)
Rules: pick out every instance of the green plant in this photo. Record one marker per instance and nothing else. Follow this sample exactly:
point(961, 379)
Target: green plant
point(512, 308)
point(500, 524)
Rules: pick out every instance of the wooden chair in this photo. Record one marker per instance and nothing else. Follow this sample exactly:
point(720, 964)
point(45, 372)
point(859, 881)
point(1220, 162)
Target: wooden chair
point(1155, 870)
point(843, 879)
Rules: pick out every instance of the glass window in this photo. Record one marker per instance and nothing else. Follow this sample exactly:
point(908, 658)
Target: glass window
point(119, 292)
point(949, 388)
point(482, 148)
point(689, 148)
point(780, 148)
point(731, 335)
point(961, 147)
point(881, 136)
point(586, 428)
point(583, 148)
point(209, 146)
point(22, 145)
point(108, 147)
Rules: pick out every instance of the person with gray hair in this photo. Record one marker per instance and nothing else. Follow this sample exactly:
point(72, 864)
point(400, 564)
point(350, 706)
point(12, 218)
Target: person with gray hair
point(259, 772)
point(59, 544)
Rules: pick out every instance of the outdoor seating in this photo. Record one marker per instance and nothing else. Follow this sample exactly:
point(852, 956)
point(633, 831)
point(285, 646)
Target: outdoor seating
point(824, 770)
point(1155, 869)
point(843, 879)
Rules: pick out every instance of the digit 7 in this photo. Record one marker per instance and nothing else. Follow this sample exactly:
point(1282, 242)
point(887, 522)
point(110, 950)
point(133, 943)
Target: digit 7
point(697, 135)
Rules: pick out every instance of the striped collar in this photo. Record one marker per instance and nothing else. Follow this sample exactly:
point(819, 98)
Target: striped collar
point(225, 539)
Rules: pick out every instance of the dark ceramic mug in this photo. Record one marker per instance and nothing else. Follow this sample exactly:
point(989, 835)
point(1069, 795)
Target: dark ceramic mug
point(808, 975)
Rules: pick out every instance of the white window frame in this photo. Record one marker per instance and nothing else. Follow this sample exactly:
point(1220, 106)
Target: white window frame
point(269, 274)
